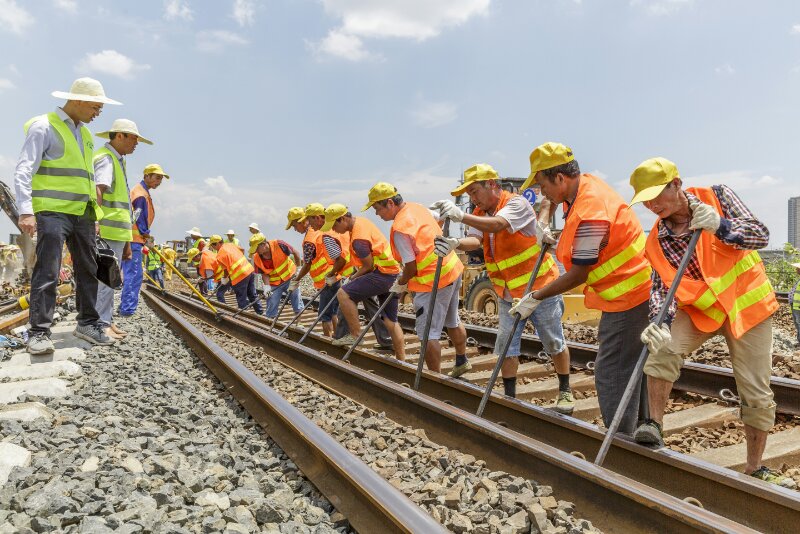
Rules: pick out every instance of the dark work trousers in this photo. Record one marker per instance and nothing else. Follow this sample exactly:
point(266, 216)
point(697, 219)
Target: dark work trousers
point(53, 230)
point(619, 350)
point(371, 306)
point(245, 292)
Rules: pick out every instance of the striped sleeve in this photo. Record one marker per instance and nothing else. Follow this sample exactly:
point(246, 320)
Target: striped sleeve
point(590, 238)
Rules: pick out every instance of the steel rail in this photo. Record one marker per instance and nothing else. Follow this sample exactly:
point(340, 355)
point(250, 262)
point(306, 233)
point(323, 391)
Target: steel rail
point(722, 491)
point(368, 501)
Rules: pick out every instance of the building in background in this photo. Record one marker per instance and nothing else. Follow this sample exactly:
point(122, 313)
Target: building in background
point(794, 221)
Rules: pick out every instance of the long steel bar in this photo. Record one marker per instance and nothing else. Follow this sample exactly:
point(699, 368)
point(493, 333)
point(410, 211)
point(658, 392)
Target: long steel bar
point(613, 502)
point(369, 502)
point(728, 493)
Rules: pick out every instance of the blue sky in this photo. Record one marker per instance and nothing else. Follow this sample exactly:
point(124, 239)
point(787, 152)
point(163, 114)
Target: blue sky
point(259, 105)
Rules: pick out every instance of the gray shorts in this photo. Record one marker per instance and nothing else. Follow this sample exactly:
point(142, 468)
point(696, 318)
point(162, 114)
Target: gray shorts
point(445, 311)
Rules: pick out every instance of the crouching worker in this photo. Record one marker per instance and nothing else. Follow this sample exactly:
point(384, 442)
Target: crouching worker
point(233, 270)
point(724, 290)
point(276, 261)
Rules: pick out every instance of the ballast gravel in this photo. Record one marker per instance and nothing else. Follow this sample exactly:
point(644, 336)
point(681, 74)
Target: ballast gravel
point(149, 441)
point(457, 489)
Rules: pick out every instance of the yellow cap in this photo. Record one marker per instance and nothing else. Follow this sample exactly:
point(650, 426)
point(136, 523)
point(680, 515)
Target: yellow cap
point(547, 156)
point(155, 168)
point(256, 240)
point(477, 173)
point(295, 214)
point(333, 212)
point(380, 191)
point(651, 177)
point(191, 253)
point(216, 238)
point(313, 209)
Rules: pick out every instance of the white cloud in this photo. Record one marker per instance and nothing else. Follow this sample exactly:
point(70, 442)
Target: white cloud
point(408, 19)
point(12, 68)
point(725, 69)
point(795, 29)
point(14, 18)
point(216, 40)
point(432, 114)
point(217, 184)
point(5, 83)
point(177, 9)
point(661, 7)
point(70, 6)
point(244, 12)
point(111, 62)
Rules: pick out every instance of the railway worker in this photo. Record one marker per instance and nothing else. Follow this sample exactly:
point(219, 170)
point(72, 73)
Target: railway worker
point(254, 228)
point(234, 271)
point(504, 224)
point(230, 237)
point(276, 261)
point(113, 196)
point(376, 273)
point(795, 299)
point(144, 215)
point(170, 254)
point(57, 200)
point(724, 290)
point(602, 245)
point(205, 261)
point(197, 238)
point(153, 262)
point(412, 241)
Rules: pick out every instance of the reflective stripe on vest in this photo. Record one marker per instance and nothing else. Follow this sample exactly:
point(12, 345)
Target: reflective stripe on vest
point(153, 261)
point(284, 268)
point(66, 184)
point(614, 263)
point(446, 268)
point(116, 221)
point(521, 280)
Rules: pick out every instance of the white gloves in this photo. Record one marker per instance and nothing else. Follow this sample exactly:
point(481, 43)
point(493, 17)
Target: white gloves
point(524, 307)
point(225, 281)
point(294, 284)
point(448, 210)
point(398, 288)
point(267, 291)
point(655, 337)
point(443, 246)
point(704, 217)
point(544, 234)
point(330, 280)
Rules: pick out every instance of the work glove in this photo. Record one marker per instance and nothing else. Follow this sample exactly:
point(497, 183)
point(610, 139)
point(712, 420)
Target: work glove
point(543, 233)
point(448, 210)
point(444, 245)
point(398, 288)
point(225, 281)
point(267, 291)
point(145, 251)
point(656, 337)
point(524, 307)
point(435, 215)
point(704, 217)
point(330, 280)
point(294, 284)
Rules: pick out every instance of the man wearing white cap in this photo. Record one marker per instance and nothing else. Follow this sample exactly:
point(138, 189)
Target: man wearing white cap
point(143, 216)
point(253, 228)
point(57, 200)
point(113, 195)
point(197, 238)
point(230, 237)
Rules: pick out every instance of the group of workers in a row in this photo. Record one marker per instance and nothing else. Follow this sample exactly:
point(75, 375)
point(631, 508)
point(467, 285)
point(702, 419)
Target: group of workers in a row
point(64, 187)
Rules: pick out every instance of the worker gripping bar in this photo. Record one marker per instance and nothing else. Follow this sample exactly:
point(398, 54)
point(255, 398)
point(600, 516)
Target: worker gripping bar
point(502, 357)
point(369, 324)
point(185, 281)
point(297, 316)
point(637, 371)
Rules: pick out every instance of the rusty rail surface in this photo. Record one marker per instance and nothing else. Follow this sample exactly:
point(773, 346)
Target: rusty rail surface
point(368, 501)
point(530, 441)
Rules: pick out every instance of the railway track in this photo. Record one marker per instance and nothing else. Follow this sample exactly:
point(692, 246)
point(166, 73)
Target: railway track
point(525, 439)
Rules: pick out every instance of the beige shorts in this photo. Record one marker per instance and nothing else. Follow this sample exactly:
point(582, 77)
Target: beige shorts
point(751, 358)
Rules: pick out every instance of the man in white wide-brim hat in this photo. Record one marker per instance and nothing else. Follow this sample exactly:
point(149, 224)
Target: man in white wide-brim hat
point(57, 200)
point(113, 195)
point(254, 228)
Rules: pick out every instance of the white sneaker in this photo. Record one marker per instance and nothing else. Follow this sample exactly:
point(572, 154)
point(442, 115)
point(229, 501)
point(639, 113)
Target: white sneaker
point(40, 344)
point(345, 341)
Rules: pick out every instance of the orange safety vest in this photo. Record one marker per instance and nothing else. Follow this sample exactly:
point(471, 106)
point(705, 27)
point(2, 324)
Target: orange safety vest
point(232, 260)
point(349, 266)
point(285, 264)
point(621, 278)
point(137, 192)
point(382, 259)
point(323, 262)
point(734, 287)
point(415, 220)
point(208, 262)
point(514, 258)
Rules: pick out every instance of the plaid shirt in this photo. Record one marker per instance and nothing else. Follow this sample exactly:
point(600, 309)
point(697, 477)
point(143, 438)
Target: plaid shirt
point(738, 228)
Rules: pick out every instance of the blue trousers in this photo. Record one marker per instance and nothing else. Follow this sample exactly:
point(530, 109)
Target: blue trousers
point(157, 275)
point(274, 300)
point(132, 281)
point(245, 292)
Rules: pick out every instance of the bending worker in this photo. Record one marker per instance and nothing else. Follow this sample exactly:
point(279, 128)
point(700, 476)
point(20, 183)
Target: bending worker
point(276, 261)
point(724, 290)
point(376, 274)
point(413, 231)
point(602, 245)
point(504, 224)
point(113, 195)
point(205, 261)
point(234, 271)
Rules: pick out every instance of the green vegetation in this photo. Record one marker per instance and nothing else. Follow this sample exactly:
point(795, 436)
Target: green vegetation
point(780, 271)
